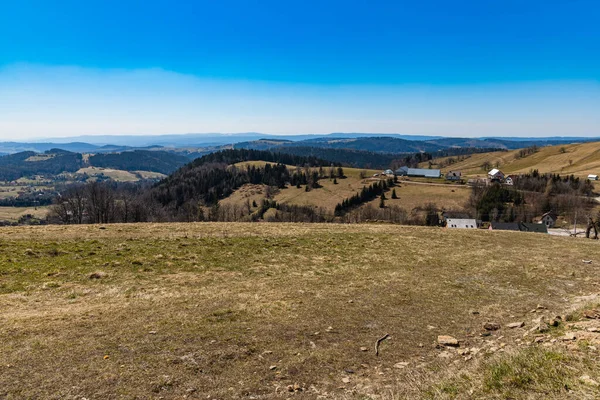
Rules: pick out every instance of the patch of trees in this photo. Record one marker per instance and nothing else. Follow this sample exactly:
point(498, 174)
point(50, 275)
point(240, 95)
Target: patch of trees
point(522, 153)
point(367, 194)
point(208, 183)
point(51, 162)
point(233, 156)
point(140, 160)
point(496, 202)
point(105, 202)
point(531, 196)
point(553, 184)
point(346, 157)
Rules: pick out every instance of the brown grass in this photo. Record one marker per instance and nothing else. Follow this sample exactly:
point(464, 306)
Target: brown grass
point(14, 213)
point(415, 195)
point(585, 160)
point(204, 310)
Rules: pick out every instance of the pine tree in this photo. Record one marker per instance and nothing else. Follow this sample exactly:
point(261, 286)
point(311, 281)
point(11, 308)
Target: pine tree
point(394, 196)
point(382, 201)
point(254, 203)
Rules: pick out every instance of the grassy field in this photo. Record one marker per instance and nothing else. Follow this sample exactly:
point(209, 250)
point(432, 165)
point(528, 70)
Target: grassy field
point(269, 311)
point(14, 213)
point(120, 175)
point(415, 195)
point(578, 159)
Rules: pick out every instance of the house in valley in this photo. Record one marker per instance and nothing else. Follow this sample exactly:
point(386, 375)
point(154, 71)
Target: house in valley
point(532, 227)
point(454, 176)
point(593, 177)
point(418, 172)
point(461, 223)
point(496, 175)
point(549, 219)
point(504, 226)
point(509, 180)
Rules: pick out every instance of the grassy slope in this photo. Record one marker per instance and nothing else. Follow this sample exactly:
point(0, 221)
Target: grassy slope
point(205, 310)
point(326, 197)
point(585, 160)
point(120, 175)
point(413, 195)
point(14, 213)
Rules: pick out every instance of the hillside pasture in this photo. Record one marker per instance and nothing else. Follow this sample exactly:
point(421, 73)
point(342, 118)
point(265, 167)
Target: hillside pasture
point(120, 175)
point(14, 213)
point(578, 159)
point(413, 195)
point(269, 311)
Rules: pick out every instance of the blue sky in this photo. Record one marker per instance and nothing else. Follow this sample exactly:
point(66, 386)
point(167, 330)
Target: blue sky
point(456, 68)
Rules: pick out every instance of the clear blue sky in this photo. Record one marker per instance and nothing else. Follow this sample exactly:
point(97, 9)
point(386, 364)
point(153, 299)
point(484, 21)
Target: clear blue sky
point(459, 68)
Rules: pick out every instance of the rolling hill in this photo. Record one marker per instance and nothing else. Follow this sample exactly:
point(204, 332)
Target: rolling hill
point(577, 159)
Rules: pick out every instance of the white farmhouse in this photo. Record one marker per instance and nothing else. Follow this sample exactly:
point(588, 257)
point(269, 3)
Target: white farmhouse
point(496, 175)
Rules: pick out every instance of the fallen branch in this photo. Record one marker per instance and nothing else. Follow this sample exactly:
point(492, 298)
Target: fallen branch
point(381, 339)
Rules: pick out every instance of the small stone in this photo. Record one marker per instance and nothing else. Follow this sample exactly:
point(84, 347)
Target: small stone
point(513, 325)
point(593, 329)
point(329, 328)
point(401, 365)
point(363, 348)
point(349, 371)
point(97, 275)
point(475, 312)
point(491, 326)
point(445, 340)
point(152, 333)
point(346, 379)
point(273, 367)
point(569, 336)
point(542, 327)
point(106, 357)
point(540, 307)
point(586, 379)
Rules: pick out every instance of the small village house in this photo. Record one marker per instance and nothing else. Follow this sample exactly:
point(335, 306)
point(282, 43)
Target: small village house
point(461, 223)
point(509, 180)
point(504, 226)
point(549, 219)
point(454, 176)
point(532, 227)
point(496, 175)
point(593, 177)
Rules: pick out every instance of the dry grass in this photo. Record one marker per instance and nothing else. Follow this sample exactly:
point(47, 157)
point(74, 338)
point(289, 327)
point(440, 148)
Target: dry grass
point(578, 159)
point(204, 310)
point(14, 213)
point(114, 174)
point(415, 195)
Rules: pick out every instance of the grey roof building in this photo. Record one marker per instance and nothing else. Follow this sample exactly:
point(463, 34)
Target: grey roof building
point(419, 172)
point(464, 223)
